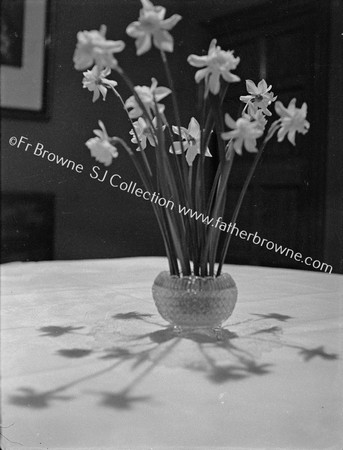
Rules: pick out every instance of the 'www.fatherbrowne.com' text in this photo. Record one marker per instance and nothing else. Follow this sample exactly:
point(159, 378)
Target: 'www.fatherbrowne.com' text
point(255, 239)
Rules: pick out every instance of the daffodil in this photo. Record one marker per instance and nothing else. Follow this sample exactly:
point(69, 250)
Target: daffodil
point(190, 141)
point(93, 48)
point(176, 173)
point(259, 98)
point(293, 120)
point(95, 81)
point(260, 119)
point(152, 26)
point(143, 133)
point(147, 96)
point(100, 146)
point(244, 133)
point(217, 63)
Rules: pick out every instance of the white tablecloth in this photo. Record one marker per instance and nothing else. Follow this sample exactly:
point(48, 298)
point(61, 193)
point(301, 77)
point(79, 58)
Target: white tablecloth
point(87, 362)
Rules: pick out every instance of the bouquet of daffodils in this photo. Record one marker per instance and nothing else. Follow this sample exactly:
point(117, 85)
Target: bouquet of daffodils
point(192, 246)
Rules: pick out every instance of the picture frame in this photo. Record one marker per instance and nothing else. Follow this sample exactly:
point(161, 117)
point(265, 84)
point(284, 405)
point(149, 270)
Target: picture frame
point(24, 49)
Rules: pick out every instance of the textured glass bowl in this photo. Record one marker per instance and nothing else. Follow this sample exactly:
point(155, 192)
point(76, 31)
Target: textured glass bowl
point(194, 302)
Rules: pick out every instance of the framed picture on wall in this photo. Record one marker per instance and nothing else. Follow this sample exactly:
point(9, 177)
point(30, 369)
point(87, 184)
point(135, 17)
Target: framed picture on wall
point(24, 37)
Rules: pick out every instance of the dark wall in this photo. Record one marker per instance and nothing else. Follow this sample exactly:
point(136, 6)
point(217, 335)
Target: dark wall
point(91, 218)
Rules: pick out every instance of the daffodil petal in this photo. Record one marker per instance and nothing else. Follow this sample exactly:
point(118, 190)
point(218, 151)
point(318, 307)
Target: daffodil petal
point(163, 40)
point(246, 98)
point(281, 110)
point(170, 23)
point(194, 128)
point(161, 92)
point(229, 121)
point(103, 91)
point(200, 74)
point(291, 136)
point(134, 30)
point(197, 61)
point(143, 44)
point(251, 87)
point(176, 148)
point(192, 152)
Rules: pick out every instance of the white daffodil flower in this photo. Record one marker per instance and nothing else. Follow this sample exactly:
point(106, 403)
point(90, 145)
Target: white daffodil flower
point(100, 147)
point(144, 133)
point(93, 48)
point(147, 95)
point(293, 120)
point(217, 63)
point(244, 133)
point(259, 117)
point(190, 141)
point(95, 81)
point(259, 98)
point(152, 26)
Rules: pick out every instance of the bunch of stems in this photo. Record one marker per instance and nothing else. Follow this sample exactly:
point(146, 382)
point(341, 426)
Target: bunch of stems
point(192, 247)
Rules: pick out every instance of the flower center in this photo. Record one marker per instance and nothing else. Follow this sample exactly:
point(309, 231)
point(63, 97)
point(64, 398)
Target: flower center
point(258, 98)
point(192, 140)
point(150, 22)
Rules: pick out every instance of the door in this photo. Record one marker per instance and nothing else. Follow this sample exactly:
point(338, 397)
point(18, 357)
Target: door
point(286, 44)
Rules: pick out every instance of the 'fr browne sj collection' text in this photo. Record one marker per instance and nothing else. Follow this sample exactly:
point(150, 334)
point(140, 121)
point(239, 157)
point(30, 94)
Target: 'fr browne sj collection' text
point(96, 172)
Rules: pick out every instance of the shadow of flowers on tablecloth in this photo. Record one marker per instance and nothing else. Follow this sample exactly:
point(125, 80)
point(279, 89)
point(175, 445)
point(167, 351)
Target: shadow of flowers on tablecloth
point(74, 352)
point(276, 316)
point(309, 353)
point(122, 400)
point(31, 398)
point(56, 331)
point(234, 356)
point(142, 342)
point(221, 359)
point(132, 315)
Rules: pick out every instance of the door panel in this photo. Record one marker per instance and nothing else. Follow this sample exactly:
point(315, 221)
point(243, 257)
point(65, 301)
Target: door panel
point(286, 46)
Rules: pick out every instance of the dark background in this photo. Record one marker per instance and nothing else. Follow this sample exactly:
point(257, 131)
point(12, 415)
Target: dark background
point(51, 212)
